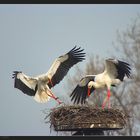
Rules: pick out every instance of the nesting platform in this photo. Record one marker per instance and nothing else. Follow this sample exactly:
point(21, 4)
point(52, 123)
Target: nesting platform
point(87, 118)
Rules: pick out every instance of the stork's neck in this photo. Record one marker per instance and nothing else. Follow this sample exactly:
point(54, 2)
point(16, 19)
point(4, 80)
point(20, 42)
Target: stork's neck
point(93, 84)
point(98, 81)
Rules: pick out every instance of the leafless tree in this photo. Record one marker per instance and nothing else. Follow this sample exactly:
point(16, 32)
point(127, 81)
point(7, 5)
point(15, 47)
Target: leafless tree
point(126, 95)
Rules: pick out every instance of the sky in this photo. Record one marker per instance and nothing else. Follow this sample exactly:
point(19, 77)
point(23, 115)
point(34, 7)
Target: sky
point(32, 36)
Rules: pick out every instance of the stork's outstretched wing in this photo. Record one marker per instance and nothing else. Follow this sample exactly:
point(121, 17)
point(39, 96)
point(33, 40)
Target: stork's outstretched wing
point(26, 84)
point(118, 69)
point(62, 64)
point(79, 94)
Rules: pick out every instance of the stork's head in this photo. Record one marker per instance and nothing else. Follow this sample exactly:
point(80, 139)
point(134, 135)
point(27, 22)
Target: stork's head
point(91, 84)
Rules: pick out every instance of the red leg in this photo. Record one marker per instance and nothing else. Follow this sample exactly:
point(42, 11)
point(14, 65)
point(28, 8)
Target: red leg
point(108, 95)
point(104, 103)
point(60, 102)
point(54, 97)
point(96, 96)
point(107, 99)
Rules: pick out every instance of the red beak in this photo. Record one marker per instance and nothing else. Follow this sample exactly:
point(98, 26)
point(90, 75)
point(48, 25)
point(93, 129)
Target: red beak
point(88, 91)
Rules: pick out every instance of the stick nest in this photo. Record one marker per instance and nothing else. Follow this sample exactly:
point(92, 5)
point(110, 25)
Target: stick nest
point(73, 118)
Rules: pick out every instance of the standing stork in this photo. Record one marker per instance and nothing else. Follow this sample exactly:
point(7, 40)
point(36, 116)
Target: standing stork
point(113, 74)
point(40, 86)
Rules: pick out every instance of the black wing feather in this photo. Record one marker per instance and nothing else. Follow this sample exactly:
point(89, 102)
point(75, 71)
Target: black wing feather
point(74, 56)
point(21, 86)
point(79, 94)
point(123, 69)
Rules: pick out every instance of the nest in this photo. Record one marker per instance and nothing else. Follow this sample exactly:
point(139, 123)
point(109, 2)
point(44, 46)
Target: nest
point(74, 118)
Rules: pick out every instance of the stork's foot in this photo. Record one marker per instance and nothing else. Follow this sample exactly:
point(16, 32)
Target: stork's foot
point(104, 103)
point(109, 105)
point(103, 106)
point(53, 109)
point(59, 102)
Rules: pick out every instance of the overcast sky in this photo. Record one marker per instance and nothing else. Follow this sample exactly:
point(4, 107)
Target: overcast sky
point(32, 36)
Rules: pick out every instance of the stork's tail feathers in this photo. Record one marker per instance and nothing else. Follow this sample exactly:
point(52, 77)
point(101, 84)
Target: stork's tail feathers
point(41, 98)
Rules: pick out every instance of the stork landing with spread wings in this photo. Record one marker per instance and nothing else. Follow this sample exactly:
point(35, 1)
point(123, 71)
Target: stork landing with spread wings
point(40, 86)
point(113, 74)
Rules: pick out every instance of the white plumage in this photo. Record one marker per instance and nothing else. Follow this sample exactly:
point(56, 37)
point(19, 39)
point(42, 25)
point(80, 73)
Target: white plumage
point(113, 74)
point(40, 86)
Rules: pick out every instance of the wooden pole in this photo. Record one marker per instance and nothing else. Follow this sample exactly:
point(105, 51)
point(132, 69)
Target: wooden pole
point(89, 132)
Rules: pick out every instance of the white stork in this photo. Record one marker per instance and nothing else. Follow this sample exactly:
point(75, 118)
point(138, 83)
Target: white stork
point(39, 86)
point(113, 74)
